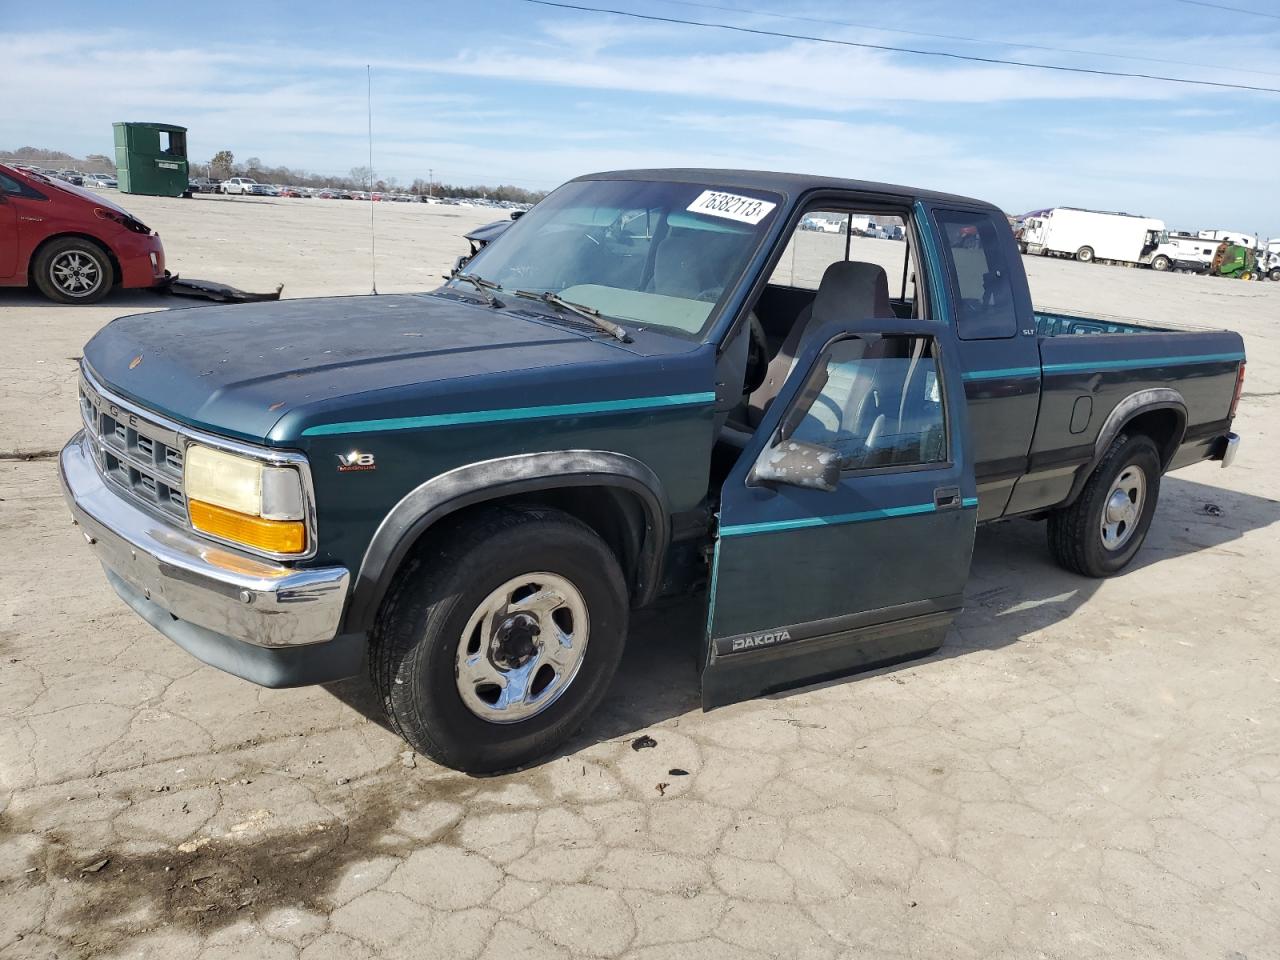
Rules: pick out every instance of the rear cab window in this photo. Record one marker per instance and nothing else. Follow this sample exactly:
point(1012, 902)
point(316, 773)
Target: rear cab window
point(973, 255)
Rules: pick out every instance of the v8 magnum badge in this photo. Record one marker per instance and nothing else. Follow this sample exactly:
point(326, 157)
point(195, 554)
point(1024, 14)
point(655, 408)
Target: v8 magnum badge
point(355, 460)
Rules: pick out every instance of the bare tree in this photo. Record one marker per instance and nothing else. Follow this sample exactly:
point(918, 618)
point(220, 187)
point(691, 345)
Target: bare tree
point(222, 163)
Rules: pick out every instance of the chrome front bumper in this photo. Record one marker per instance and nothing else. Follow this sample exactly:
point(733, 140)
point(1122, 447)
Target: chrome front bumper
point(227, 593)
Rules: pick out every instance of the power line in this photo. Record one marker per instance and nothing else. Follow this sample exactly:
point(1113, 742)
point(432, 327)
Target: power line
point(1219, 6)
point(947, 36)
point(1223, 85)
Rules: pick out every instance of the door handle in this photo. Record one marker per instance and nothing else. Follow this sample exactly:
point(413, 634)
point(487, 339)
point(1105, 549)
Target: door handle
point(946, 498)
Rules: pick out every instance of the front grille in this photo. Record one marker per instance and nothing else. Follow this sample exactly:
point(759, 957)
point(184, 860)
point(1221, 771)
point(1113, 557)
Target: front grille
point(140, 456)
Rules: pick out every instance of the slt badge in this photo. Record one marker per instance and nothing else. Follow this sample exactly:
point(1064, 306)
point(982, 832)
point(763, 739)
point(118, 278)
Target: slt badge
point(355, 460)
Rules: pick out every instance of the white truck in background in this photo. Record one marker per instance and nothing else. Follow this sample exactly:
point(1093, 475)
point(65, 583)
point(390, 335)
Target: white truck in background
point(1230, 236)
point(1184, 252)
point(1269, 260)
point(238, 185)
point(1089, 235)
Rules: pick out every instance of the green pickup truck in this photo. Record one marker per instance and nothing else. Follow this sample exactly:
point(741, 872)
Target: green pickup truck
point(655, 383)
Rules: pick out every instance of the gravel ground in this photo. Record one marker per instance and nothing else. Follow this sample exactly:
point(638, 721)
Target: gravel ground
point(1086, 769)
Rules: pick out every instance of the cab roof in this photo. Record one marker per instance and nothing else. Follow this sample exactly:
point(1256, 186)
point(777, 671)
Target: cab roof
point(790, 185)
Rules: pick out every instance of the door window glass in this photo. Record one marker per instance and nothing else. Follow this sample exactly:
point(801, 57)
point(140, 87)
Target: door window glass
point(974, 256)
point(876, 401)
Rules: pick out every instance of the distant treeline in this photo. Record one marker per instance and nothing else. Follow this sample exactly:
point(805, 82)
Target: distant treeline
point(224, 164)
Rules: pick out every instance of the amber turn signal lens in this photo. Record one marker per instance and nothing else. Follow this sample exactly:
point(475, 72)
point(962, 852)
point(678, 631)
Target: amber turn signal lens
point(274, 536)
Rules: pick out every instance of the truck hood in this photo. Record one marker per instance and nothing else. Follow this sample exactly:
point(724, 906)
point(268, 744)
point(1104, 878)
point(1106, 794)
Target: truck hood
point(267, 371)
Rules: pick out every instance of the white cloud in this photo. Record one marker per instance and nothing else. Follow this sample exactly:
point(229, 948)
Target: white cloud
point(1020, 138)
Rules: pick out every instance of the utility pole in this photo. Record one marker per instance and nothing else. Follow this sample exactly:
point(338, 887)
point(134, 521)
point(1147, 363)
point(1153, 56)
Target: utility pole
point(431, 177)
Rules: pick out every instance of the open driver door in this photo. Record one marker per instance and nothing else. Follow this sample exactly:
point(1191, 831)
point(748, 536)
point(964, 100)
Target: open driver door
point(846, 526)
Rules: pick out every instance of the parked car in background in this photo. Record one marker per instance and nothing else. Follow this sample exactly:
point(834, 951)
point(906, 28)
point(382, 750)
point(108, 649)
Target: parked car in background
point(100, 181)
point(262, 190)
point(72, 245)
point(298, 192)
point(237, 185)
point(204, 185)
point(73, 177)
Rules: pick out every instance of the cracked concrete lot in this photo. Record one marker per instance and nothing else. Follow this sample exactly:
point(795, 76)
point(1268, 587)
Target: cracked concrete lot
point(1086, 769)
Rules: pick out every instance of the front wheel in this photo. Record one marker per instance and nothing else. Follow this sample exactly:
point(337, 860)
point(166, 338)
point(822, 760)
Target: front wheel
point(1104, 528)
point(493, 648)
point(73, 270)
point(1085, 254)
point(1275, 274)
point(1161, 263)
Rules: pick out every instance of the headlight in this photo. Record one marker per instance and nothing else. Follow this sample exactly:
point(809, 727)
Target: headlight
point(245, 501)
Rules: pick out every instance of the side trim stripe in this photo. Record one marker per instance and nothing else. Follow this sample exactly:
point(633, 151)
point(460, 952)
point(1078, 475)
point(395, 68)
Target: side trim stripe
point(1147, 362)
point(513, 413)
point(1000, 374)
point(775, 526)
point(1092, 365)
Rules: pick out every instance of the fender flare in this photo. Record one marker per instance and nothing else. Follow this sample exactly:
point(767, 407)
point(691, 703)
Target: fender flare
point(473, 483)
point(1135, 404)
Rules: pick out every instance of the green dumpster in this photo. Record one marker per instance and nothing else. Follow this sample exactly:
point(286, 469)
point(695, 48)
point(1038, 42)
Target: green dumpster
point(151, 158)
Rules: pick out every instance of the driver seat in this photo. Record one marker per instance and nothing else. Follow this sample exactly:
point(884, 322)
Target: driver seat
point(678, 268)
point(850, 290)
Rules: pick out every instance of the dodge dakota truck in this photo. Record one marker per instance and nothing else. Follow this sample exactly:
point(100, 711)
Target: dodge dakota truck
point(637, 390)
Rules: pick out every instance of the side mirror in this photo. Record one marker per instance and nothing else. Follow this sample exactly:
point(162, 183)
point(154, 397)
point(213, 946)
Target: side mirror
point(517, 214)
point(798, 464)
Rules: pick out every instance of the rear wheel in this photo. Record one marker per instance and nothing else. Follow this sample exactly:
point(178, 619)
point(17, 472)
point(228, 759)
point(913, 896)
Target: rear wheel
point(73, 270)
point(1101, 532)
point(492, 649)
point(1161, 263)
point(1085, 254)
point(1275, 274)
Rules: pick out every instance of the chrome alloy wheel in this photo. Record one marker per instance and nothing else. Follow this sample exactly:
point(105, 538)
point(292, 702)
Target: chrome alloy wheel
point(522, 647)
point(1123, 507)
point(75, 273)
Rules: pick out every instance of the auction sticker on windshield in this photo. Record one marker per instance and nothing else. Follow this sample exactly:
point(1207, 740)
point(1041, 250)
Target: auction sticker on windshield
point(730, 206)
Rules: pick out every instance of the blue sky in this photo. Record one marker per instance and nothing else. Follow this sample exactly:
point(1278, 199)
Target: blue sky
point(500, 90)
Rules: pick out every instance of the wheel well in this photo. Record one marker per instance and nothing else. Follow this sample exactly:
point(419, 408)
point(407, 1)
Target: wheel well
point(35, 254)
point(1164, 426)
point(617, 516)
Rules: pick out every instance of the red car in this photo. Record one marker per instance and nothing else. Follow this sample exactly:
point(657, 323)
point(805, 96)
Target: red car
point(73, 245)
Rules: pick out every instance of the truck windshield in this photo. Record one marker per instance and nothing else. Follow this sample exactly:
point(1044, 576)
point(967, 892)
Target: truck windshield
point(650, 253)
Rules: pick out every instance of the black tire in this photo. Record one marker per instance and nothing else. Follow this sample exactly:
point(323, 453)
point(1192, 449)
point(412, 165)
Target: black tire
point(414, 644)
point(1075, 532)
point(1085, 254)
point(49, 267)
point(1275, 274)
point(1161, 263)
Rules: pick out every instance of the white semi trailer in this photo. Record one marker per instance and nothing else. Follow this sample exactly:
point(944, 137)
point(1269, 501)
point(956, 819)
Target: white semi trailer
point(1089, 235)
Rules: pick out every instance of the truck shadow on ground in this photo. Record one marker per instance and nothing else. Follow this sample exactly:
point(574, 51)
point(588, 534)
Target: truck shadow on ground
point(1014, 588)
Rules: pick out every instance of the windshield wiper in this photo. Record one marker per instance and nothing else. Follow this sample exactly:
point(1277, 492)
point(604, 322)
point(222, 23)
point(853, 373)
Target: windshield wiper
point(482, 286)
point(588, 313)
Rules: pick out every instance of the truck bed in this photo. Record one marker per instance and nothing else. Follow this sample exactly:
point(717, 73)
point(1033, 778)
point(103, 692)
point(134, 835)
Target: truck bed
point(1060, 324)
point(1091, 367)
